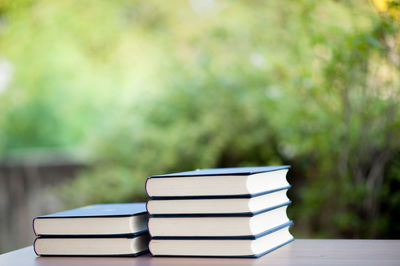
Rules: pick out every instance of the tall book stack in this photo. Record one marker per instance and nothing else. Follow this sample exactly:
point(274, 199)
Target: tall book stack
point(225, 212)
point(96, 230)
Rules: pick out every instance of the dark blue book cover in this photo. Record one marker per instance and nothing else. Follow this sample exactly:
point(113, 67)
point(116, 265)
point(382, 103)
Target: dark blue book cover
point(226, 171)
point(101, 210)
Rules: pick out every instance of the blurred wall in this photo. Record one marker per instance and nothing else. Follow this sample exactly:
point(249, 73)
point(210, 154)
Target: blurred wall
point(26, 191)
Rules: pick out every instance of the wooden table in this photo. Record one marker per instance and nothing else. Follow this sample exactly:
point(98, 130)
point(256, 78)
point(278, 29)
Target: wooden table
point(299, 252)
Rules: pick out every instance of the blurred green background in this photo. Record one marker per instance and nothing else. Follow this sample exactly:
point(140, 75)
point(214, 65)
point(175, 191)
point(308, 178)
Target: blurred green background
point(135, 88)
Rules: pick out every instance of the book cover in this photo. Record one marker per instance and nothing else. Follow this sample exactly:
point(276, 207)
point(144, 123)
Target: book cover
point(101, 210)
point(225, 171)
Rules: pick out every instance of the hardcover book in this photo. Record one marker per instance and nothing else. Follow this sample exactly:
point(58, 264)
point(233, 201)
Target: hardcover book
point(224, 247)
point(133, 245)
point(98, 219)
point(218, 183)
point(217, 225)
point(216, 206)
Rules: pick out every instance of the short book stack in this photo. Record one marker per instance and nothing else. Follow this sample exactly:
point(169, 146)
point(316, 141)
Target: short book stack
point(225, 212)
point(96, 230)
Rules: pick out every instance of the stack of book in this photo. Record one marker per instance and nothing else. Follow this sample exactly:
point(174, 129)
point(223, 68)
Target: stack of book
point(96, 230)
point(225, 212)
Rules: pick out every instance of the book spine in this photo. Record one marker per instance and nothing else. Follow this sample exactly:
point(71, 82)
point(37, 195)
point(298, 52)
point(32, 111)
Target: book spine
point(34, 227)
point(34, 247)
point(146, 187)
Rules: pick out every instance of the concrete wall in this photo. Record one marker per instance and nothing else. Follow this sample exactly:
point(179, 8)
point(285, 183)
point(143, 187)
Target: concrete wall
point(27, 191)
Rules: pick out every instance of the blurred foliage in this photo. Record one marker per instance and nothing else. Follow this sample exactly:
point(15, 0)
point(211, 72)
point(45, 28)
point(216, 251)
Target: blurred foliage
point(151, 87)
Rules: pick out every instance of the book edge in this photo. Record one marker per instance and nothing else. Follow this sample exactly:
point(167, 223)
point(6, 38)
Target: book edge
point(238, 196)
point(91, 216)
point(127, 235)
point(241, 214)
point(99, 255)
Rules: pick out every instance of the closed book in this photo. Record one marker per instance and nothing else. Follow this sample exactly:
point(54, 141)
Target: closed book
point(210, 206)
point(133, 245)
point(217, 225)
point(224, 247)
point(218, 182)
point(98, 219)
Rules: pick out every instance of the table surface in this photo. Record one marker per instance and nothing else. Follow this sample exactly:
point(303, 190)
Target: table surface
point(299, 252)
